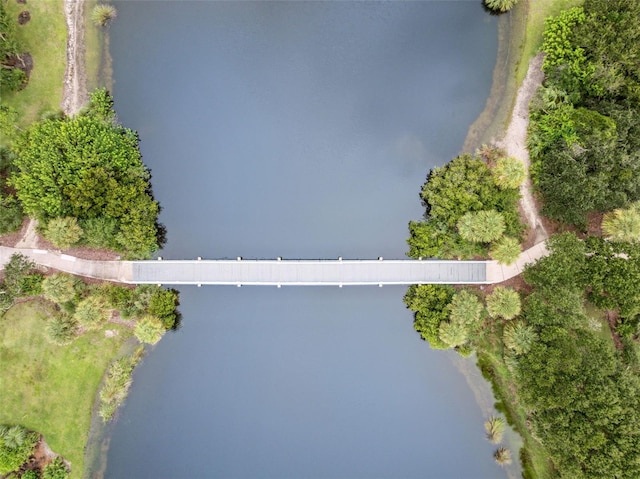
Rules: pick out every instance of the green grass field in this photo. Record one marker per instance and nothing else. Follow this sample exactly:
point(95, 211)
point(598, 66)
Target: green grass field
point(51, 389)
point(45, 38)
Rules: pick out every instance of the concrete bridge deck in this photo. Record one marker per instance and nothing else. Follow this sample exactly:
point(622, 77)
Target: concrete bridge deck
point(284, 272)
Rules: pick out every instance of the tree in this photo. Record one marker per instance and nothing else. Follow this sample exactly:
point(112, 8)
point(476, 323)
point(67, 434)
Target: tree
point(91, 312)
point(16, 446)
point(503, 302)
point(59, 288)
point(63, 232)
point(465, 309)
point(494, 426)
point(519, 337)
point(102, 15)
point(162, 305)
point(500, 6)
point(509, 172)
point(11, 214)
point(506, 250)
point(623, 224)
point(453, 334)
point(149, 330)
point(430, 302)
point(482, 226)
point(502, 456)
point(88, 167)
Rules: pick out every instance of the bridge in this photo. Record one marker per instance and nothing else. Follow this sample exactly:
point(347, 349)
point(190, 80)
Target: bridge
point(283, 272)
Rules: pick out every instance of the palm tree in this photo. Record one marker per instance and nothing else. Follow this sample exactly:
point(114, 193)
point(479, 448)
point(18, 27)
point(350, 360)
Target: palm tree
point(465, 308)
point(453, 334)
point(91, 312)
point(503, 302)
point(149, 330)
point(63, 232)
point(13, 436)
point(102, 14)
point(494, 427)
point(481, 226)
point(508, 172)
point(500, 6)
point(519, 337)
point(59, 288)
point(623, 224)
point(502, 456)
point(506, 250)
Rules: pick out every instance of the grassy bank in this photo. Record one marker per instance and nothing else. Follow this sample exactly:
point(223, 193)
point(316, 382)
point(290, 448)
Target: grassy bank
point(45, 38)
point(49, 388)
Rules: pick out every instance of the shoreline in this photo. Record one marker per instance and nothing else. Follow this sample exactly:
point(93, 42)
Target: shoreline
point(75, 94)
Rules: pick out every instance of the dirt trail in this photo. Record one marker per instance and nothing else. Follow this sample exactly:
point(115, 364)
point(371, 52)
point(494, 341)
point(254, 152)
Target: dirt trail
point(75, 94)
point(515, 142)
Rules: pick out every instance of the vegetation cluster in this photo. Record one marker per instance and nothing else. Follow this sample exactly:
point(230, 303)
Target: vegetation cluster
point(84, 180)
point(471, 209)
point(12, 64)
point(562, 350)
point(584, 135)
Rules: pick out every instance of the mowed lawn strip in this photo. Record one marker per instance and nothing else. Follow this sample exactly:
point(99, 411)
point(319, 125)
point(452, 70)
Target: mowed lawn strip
point(51, 389)
point(45, 38)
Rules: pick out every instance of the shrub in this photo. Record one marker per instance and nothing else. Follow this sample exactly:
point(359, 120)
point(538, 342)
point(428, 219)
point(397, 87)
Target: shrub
point(11, 214)
point(503, 302)
point(31, 284)
point(30, 474)
point(519, 337)
point(622, 224)
point(15, 271)
point(502, 456)
point(162, 305)
point(465, 308)
point(59, 288)
point(63, 232)
point(91, 312)
point(149, 330)
point(494, 427)
point(16, 446)
point(61, 329)
point(116, 385)
point(430, 302)
point(482, 226)
point(500, 6)
point(453, 334)
point(509, 172)
point(506, 250)
point(102, 15)
point(55, 470)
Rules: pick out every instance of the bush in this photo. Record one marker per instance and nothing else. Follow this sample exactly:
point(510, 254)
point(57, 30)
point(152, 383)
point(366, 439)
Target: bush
point(16, 446)
point(503, 302)
point(59, 288)
point(11, 214)
point(509, 172)
point(55, 470)
point(162, 305)
point(430, 302)
point(494, 427)
point(61, 329)
point(500, 6)
point(102, 15)
point(116, 384)
point(91, 312)
point(506, 250)
point(63, 232)
point(31, 284)
point(481, 226)
point(30, 474)
point(502, 456)
point(15, 272)
point(149, 330)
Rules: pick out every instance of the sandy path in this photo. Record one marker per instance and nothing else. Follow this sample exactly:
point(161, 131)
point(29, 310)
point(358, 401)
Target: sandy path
point(515, 142)
point(75, 94)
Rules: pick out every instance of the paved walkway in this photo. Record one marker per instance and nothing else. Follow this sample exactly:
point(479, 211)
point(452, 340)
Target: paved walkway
point(283, 272)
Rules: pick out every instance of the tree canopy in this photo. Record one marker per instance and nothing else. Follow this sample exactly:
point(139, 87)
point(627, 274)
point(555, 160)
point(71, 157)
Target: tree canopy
point(88, 168)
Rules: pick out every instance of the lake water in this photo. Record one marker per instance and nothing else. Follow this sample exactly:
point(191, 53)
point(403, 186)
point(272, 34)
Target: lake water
point(301, 130)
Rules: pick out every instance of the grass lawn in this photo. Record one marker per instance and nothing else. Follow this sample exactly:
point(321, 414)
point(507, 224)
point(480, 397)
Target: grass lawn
point(51, 389)
point(45, 38)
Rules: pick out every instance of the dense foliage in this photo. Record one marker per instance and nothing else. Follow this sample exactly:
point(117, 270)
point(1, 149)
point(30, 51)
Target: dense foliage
point(584, 134)
point(467, 207)
point(16, 446)
point(88, 168)
point(116, 384)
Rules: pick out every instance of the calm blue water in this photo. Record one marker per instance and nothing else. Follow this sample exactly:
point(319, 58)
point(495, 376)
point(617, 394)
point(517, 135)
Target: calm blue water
point(300, 129)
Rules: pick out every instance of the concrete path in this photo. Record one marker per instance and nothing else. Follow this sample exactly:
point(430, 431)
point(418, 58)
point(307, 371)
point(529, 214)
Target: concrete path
point(283, 272)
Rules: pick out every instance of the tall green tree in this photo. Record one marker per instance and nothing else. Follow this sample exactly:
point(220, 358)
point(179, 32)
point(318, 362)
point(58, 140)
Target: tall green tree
point(509, 172)
point(503, 302)
point(59, 288)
